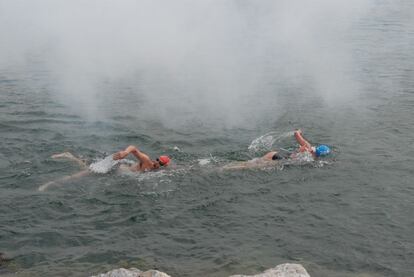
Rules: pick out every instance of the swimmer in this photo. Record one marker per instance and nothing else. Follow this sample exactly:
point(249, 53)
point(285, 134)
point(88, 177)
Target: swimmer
point(144, 164)
point(305, 146)
point(272, 158)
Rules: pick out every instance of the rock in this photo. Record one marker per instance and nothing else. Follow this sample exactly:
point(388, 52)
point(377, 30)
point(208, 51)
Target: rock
point(282, 270)
point(3, 259)
point(132, 272)
point(154, 273)
point(121, 272)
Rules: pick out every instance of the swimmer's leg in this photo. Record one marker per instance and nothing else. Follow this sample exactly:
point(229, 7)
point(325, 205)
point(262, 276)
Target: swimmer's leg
point(236, 166)
point(64, 179)
point(252, 164)
point(71, 157)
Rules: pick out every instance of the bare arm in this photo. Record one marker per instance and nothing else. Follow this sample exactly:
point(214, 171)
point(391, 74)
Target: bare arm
point(134, 151)
point(302, 141)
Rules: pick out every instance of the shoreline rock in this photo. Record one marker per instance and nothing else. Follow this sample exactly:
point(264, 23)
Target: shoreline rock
point(132, 272)
point(282, 270)
point(4, 259)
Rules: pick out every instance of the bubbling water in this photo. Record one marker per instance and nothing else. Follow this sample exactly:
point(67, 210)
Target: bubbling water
point(107, 164)
point(266, 142)
point(103, 166)
point(303, 157)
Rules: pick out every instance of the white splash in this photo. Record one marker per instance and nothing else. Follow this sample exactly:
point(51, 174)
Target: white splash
point(203, 161)
point(304, 157)
point(103, 166)
point(206, 161)
point(266, 142)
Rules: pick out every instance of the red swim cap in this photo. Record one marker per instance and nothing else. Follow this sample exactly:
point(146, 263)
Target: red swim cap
point(164, 160)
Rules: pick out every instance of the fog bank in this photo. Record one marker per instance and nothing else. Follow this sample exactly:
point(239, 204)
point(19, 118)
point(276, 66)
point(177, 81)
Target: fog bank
point(212, 61)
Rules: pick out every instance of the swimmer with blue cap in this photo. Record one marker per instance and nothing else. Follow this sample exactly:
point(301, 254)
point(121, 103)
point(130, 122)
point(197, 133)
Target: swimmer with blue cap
point(317, 151)
point(274, 157)
point(305, 146)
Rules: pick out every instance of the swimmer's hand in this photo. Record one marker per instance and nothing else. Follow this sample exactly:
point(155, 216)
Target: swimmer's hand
point(119, 155)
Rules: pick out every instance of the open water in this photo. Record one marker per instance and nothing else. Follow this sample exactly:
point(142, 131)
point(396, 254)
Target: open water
point(349, 216)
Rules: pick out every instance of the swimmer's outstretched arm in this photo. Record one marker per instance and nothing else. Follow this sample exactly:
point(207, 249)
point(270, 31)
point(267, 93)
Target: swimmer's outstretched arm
point(302, 141)
point(134, 151)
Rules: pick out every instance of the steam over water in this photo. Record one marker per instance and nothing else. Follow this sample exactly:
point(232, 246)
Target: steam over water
point(208, 83)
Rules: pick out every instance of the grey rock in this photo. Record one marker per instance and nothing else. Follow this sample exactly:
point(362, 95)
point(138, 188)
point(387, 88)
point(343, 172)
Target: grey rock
point(282, 270)
point(132, 272)
point(154, 273)
point(3, 259)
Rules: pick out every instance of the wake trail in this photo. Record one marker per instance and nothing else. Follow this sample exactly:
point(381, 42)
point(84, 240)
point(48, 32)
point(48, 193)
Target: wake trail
point(266, 141)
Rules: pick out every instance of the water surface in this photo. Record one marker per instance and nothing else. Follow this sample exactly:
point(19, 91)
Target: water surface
point(348, 217)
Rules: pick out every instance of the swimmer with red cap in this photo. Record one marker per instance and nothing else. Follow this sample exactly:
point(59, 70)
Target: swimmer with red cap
point(145, 163)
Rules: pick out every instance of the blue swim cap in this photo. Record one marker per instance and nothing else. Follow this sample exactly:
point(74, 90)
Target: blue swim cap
point(322, 150)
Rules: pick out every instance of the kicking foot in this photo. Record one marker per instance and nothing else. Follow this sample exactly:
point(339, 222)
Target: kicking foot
point(45, 186)
point(66, 155)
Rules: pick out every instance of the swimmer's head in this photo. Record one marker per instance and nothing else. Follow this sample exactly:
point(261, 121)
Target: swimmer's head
point(163, 160)
point(276, 156)
point(322, 150)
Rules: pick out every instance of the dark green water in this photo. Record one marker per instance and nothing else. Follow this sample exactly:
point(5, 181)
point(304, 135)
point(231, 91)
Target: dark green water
point(351, 216)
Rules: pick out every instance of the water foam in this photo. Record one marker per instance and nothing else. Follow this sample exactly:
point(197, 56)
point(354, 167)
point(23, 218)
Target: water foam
point(304, 157)
point(266, 142)
point(203, 161)
point(207, 161)
point(103, 166)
